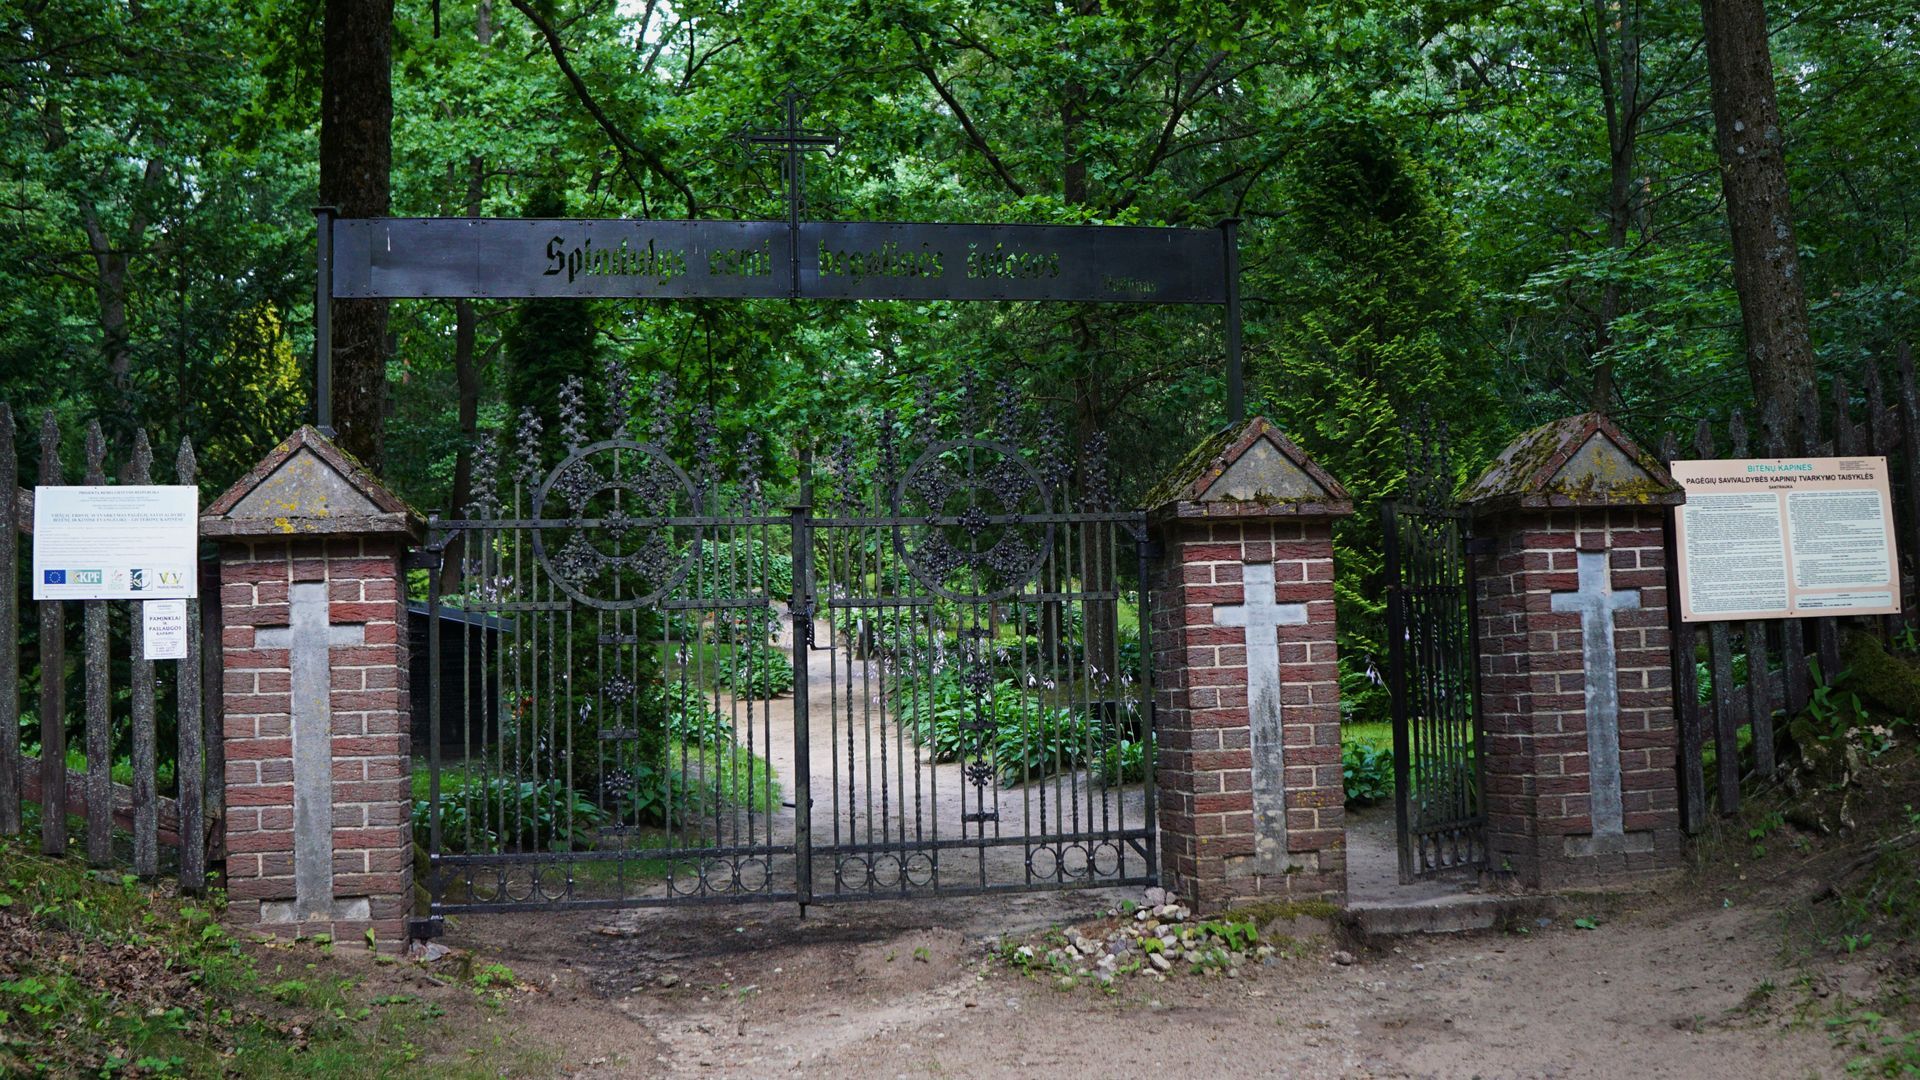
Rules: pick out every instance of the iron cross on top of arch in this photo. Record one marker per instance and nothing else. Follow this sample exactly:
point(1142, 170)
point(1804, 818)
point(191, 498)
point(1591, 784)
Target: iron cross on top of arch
point(496, 258)
point(794, 142)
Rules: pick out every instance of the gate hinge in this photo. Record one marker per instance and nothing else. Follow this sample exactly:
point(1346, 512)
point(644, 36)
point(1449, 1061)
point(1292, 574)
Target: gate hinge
point(423, 559)
point(1480, 545)
point(426, 929)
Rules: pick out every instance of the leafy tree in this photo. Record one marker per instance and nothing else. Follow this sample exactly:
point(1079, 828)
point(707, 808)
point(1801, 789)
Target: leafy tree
point(1373, 286)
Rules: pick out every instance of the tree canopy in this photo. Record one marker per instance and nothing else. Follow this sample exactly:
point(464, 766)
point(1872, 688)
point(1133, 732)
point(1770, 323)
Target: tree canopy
point(1494, 213)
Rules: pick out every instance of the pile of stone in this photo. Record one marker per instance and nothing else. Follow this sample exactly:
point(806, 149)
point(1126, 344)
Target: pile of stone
point(1154, 940)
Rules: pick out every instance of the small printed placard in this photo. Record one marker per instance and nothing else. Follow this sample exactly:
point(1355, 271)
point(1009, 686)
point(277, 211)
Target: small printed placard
point(163, 629)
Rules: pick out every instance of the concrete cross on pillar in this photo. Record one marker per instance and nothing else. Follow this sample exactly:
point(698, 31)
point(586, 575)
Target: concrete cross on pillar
point(1596, 601)
point(1262, 618)
point(308, 639)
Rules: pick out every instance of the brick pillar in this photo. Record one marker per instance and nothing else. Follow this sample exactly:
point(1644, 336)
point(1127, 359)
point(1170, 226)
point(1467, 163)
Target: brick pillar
point(312, 602)
point(1247, 696)
point(1578, 733)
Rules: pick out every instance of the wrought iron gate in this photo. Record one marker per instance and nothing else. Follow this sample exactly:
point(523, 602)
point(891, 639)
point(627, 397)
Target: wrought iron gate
point(1433, 675)
point(650, 685)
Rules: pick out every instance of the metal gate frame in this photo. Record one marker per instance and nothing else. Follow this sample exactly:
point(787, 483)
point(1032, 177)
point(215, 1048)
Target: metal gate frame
point(533, 553)
point(1439, 763)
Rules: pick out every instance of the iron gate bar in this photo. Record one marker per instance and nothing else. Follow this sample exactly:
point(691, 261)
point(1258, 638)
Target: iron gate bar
point(1433, 678)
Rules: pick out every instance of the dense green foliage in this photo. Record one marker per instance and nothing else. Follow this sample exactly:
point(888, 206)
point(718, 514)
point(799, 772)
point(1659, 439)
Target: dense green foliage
point(1477, 210)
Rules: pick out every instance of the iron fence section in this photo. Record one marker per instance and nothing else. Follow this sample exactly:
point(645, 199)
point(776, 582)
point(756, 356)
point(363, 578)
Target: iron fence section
point(916, 680)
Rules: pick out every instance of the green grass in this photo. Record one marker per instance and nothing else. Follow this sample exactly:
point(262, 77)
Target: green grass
point(1378, 733)
point(104, 976)
point(704, 660)
point(122, 770)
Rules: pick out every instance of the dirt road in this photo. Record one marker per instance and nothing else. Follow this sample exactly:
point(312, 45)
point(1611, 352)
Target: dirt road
point(893, 989)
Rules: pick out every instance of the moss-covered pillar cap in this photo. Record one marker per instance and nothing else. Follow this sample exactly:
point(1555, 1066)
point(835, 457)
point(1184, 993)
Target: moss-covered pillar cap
point(1575, 462)
point(307, 486)
point(1248, 471)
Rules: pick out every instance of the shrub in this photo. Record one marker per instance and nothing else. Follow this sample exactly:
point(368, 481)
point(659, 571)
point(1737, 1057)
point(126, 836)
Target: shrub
point(497, 813)
point(692, 716)
point(1368, 771)
point(1025, 738)
point(1123, 761)
point(757, 671)
point(741, 566)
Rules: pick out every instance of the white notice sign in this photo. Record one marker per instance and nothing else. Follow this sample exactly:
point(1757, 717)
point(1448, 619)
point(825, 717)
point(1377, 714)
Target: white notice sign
point(1787, 537)
point(163, 630)
point(115, 543)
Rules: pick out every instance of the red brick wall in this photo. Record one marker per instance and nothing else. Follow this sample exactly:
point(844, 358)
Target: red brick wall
point(1533, 697)
point(1204, 767)
point(372, 833)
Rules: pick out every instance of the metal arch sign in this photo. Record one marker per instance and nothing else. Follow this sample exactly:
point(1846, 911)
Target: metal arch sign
point(866, 260)
point(480, 258)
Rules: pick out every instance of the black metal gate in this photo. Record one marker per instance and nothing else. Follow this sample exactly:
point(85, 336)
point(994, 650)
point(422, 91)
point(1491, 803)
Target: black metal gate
point(651, 685)
point(1433, 676)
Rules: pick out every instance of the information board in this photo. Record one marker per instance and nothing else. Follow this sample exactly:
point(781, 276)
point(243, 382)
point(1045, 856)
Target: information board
point(1784, 538)
point(116, 543)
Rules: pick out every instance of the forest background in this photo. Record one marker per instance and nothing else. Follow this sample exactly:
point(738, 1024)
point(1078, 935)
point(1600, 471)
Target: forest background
point(1476, 214)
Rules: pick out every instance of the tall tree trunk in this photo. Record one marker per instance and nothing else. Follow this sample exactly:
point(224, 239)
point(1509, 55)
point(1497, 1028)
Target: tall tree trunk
point(1619, 74)
point(1753, 174)
point(466, 374)
point(356, 154)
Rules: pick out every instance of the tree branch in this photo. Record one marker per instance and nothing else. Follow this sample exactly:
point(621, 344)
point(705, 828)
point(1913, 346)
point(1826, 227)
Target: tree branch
point(628, 148)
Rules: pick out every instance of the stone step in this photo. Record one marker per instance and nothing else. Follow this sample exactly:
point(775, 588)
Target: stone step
point(1446, 914)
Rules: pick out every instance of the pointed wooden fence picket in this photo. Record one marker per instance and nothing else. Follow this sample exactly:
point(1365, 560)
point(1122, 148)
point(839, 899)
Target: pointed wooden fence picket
point(133, 822)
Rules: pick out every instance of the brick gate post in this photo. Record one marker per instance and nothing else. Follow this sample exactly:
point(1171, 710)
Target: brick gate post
point(1247, 709)
point(313, 608)
point(1575, 677)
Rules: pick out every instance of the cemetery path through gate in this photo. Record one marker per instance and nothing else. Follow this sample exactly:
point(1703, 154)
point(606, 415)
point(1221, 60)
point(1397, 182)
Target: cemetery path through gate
point(1433, 676)
point(650, 686)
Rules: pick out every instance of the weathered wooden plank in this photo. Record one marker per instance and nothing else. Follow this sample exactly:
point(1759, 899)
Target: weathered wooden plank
point(146, 819)
point(74, 790)
point(9, 628)
point(1880, 443)
point(99, 703)
point(212, 708)
point(1910, 438)
point(1753, 636)
point(1686, 685)
point(190, 767)
point(1726, 722)
point(53, 689)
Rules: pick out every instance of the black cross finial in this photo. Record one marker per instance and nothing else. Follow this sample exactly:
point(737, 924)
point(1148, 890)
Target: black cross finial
point(792, 140)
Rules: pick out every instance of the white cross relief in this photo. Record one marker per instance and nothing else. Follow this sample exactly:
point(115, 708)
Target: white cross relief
point(1262, 618)
point(308, 640)
point(1596, 601)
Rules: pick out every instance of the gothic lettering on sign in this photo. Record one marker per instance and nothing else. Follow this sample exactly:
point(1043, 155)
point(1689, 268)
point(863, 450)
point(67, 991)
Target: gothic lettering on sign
point(626, 260)
point(999, 262)
point(742, 261)
point(889, 260)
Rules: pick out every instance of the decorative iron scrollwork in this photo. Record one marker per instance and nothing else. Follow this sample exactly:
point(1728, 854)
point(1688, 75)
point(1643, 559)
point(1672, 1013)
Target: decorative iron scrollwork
point(977, 497)
point(590, 540)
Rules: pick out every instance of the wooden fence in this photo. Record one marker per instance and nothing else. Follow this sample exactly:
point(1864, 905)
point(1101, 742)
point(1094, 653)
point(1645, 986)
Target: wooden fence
point(156, 693)
point(1778, 653)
